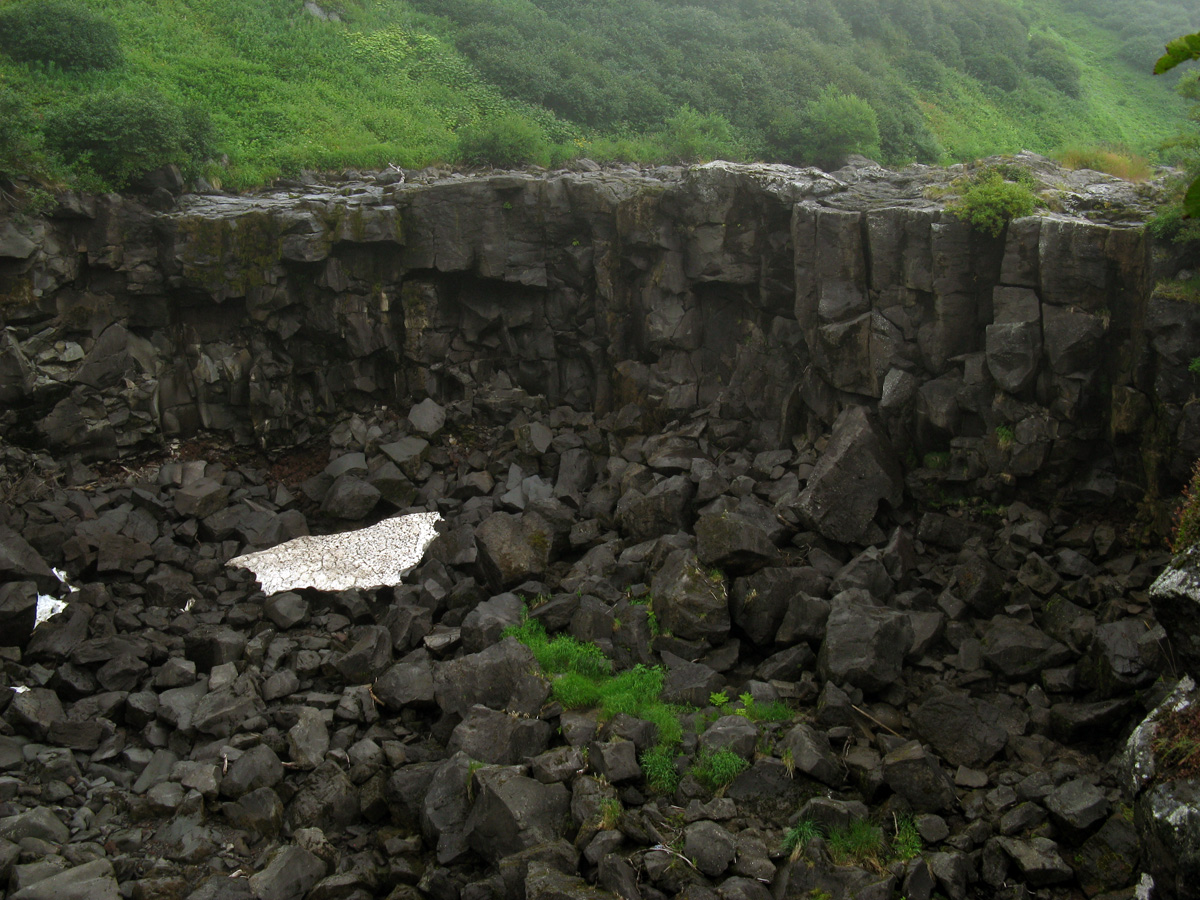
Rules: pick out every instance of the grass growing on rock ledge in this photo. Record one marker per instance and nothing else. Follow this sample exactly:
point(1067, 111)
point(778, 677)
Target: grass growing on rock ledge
point(861, 843)
point(581, 678)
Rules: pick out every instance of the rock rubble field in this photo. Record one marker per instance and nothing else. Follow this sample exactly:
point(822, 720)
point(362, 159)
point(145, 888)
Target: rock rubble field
point(964, 683)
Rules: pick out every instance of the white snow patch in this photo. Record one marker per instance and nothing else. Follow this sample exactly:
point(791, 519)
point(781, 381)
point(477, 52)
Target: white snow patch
point(47, 607)
point(379, 556)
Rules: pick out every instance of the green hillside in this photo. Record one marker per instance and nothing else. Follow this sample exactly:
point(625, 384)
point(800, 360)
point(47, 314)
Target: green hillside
point(242, 91)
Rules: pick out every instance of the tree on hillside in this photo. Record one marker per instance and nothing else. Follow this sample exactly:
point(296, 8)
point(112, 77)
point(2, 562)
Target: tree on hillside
point(1182, 50)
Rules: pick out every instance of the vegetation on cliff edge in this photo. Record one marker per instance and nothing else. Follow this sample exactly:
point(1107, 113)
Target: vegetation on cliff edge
point(252, 90)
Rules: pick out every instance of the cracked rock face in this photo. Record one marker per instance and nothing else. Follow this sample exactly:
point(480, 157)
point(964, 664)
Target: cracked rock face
point(375, 557)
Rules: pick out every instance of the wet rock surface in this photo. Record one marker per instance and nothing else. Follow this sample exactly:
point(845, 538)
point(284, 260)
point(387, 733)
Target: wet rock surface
point(854, 477)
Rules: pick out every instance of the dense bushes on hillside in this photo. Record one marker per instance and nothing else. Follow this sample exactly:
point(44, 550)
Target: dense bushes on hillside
point(411, 82)
point(119, 135)
point(63, 33)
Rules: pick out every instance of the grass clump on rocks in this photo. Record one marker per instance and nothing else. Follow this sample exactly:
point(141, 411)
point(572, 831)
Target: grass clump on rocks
point(582, 677)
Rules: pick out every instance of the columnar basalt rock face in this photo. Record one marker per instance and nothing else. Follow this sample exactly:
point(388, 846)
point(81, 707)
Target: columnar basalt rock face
point(759, 294)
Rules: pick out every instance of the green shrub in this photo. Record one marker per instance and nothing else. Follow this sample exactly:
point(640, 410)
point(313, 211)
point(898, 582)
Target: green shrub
point(835, 125)
point(1050, 60)
point(64, 33)
point(691, 137)
point(562, 653)
point(796, 838)
point(19, 136)
point(119, 135)
point(995, 69)
point(505, 140)
point(990, 203)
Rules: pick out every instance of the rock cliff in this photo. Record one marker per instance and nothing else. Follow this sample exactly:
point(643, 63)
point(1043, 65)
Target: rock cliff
point(770, 299)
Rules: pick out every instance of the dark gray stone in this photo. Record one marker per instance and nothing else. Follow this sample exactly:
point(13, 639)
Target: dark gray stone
point(497, 737)
point(368, 657)
point(513, 549)
point(513, 812)
point(1020, 652)
point(258, 767)
point(690, 603)
point(732, 543)
point(664, 509)
point(1039, 860)
point(350, 497)
point(406, 684)
point(864, 645)
point(965, 731)
point(857, 472)
point(811, 754)
point(93, 880)
point(486, 622)
point(291, 873)
point(709, 846)
point(500, 677)
point(913, 773)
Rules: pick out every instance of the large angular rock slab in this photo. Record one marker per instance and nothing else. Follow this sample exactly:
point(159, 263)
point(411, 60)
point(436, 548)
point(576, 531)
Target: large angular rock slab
point(690, 603)
point(857, 472)
point(965, 731)
point(865, 645)
point(512, 548)
point(513, 812)
point(502, 677)
point(20, 562)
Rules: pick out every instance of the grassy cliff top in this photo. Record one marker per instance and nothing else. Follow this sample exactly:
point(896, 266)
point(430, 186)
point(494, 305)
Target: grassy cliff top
point(243, 91)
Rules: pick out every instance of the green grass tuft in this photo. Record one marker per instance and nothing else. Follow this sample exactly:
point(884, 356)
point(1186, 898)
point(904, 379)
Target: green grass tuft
point(716, 770)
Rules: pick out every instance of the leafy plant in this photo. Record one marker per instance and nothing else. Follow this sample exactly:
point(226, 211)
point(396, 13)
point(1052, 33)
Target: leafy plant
point(831, 127)
point(19, 137)
point(775, 711)
point(62, 33)
point(1180, 50)
point(610, 813)
point(1004, 436)
point(582, 677)
point(561, 654)
point(906, 843)
point(938, 461)
point(718, 699)
point(691, 137)
point(990, 202)
point(717, 769)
